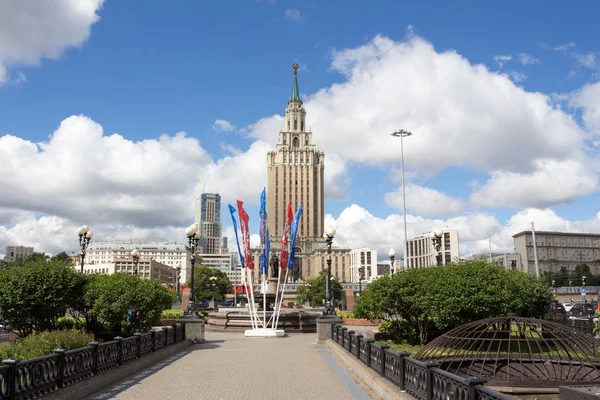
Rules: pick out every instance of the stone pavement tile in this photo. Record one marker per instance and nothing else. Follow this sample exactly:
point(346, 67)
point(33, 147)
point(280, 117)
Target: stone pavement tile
point(230, 366)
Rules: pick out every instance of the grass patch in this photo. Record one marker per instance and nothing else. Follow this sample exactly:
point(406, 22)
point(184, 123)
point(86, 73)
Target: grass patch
point(398, 347)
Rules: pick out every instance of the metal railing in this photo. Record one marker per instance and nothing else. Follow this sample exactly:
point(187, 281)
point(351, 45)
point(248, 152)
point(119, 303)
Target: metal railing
point(422, 380)
point(41, 375)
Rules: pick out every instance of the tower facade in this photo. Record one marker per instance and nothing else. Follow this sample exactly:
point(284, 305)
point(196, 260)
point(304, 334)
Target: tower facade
point(295, 174)
point(209, 224)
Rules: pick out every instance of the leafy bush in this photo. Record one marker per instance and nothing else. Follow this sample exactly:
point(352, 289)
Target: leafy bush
point(343, 314)
point(210, 283)
point(171, 314)
point(70, 323)
point(314, 290)
point(41, 344)
point(418, 301)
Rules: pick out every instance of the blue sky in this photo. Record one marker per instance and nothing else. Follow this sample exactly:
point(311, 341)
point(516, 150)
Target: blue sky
point(149, 68)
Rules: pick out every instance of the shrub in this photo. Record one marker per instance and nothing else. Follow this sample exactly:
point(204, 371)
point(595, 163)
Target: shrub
point(70, 323)
point(171, 314)
point(44, 343)
point(343, 314)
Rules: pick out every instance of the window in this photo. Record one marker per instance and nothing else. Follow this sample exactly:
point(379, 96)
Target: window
point(302, 126)
point(295, 124)
point(295, 143)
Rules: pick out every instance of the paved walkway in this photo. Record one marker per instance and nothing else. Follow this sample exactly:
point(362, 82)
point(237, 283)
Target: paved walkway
point(230, 366)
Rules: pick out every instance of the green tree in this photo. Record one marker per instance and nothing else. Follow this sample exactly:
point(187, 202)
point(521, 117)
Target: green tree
point(419, 301)
point(126, 303)
point(210, 283)
point(35, 292)
point(315, 289)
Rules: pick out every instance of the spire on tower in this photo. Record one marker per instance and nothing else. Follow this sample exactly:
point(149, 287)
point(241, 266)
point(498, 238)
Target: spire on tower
point(295, 91)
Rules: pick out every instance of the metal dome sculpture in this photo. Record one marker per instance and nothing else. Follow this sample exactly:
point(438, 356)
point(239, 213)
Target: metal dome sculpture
point(516, 352)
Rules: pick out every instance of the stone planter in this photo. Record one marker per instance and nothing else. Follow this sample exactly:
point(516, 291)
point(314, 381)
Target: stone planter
point(167, 322)
point(360, 322)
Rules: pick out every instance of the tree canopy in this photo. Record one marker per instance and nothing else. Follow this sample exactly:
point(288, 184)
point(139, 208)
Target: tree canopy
point(210, 283)
point(314, 290)
point(418, 301)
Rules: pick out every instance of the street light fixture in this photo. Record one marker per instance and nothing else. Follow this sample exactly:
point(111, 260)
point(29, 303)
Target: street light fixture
point(135, 254)
point(328, 236)
point(392, 255)
point(177, 280)
point(193, 238)
point(436, 238)
point(85, 235)
point(401, 133)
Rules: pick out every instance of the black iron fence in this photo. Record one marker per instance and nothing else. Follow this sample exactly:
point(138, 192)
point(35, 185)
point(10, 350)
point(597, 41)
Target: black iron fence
point(422, 380)
point(38, 376)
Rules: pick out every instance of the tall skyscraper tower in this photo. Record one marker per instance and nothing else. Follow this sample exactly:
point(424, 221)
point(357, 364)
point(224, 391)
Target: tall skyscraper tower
point(210, 223)
point(295, 173)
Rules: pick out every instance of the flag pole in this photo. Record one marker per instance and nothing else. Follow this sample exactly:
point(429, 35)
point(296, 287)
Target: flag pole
point(273, 316)
point(250, 297)
point(264, 300)
point(281, 300)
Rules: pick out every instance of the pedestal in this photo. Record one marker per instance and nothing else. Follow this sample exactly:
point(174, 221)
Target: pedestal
point(194, 328)
point(324, 327)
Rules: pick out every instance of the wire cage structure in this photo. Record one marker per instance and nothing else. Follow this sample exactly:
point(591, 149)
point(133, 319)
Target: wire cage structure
point(516, 352)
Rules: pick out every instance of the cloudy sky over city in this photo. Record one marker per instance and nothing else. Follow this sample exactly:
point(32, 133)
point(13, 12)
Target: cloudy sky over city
point(117, 114)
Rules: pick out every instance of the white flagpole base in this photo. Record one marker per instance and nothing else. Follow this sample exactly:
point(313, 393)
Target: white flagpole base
point(262, 332)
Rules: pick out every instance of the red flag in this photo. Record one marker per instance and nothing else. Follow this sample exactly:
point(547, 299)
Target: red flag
point(286, 235)
point(245, 235)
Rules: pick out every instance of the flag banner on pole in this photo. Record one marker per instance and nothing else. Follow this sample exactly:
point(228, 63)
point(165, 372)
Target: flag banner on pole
point(245, 235)
point(285, 238)
point(237, 240)
point(294, 230)
point(264, 254)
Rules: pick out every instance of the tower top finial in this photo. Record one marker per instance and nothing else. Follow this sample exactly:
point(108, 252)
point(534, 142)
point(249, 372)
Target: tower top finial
point(295, 91)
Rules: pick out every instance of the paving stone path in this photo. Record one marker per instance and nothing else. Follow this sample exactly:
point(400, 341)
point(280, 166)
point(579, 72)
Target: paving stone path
point(230, 366)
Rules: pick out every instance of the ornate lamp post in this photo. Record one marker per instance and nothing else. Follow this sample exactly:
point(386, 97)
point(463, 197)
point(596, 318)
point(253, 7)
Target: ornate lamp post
point(436, 238)
point(177, 278)
point(392, 255)
point(85, 235)
point(329, 234)
point(401, 133)
point(192, 234)
point(136, 260)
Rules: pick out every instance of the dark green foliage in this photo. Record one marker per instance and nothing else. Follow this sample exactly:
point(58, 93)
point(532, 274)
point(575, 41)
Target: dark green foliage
point(36, 291)
point(419, 301)
point(126, 303)
point(210, 283)
point(314, 290)
point(43, 343)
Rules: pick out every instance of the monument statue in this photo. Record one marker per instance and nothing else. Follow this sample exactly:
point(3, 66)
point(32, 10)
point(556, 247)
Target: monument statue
point(274, 264)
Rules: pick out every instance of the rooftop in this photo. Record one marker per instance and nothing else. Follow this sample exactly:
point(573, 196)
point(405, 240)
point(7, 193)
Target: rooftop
point(556, 233)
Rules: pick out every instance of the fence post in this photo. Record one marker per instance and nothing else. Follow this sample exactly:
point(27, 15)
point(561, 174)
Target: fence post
point(174, 333)
point(402, 366)
point(369, 344)
point(119, 340)
point(358, 337)
point(350, 339)
point(429, 388)
point(138, 342)
point(61, 366)
point(473, 382)
point(95, 357)
point(332, 330)
point(383, 347)
point(166, 330)
point(12, 378)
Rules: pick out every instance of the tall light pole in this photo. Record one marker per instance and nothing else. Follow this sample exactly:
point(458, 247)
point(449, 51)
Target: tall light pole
point(329, 234)
point(135, 254)
point(392, 255)
point(177, 278)
point(401, 133)
point(193, 238)
point(85, 235)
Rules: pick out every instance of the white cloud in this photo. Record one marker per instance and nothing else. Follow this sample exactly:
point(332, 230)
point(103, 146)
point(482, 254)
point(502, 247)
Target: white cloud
point(425, 201)
point(527, 59)
point(293, 14)
point(517, 76)
point(587, 100)
point(221, 125)
point(501, 60)
point(33, 30)
point(552, 182)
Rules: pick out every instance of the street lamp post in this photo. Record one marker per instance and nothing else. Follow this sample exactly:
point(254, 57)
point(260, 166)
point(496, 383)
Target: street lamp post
point(401, 133)
point(85, 235)
point(135, 254)
point(329, 234)
point(192, 234)
point(392, 255)
point(436, 238)
point(177, 279)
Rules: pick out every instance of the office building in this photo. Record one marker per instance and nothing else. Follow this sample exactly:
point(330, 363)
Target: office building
point(14, 253)
point(422, 253)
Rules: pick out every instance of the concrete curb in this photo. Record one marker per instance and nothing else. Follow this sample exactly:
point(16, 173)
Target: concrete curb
point(383, 388)
point(103, 381)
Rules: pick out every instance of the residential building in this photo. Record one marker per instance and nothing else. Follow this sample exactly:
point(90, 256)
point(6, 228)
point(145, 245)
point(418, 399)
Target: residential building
point(14, 253)
point(102, 269)
point(421, 252)
point(170, 254)
point(226, 262)
point(365, 259)
point(148, 269)
point(558, 249)
point(295, 175)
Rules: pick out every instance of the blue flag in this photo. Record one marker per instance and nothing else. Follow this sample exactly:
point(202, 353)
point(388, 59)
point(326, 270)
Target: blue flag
point(232, 210)
point(294, 230)
point(264, 235)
